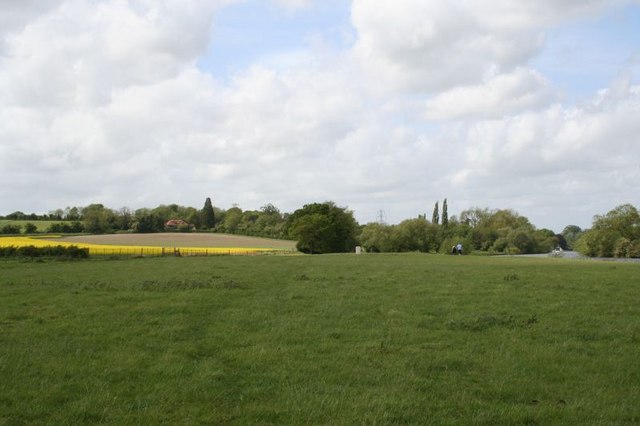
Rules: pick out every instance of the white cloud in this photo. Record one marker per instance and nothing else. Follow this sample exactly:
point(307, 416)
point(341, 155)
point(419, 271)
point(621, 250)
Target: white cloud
point(430, 45)
point(78, 53)
point(293, 4)
point(502, 94)
point(102, 101)
point(569, 157)
point(18, 13)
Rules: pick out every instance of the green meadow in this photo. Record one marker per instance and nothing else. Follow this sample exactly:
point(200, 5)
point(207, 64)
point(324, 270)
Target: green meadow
point(41, 225)
point(333, 339)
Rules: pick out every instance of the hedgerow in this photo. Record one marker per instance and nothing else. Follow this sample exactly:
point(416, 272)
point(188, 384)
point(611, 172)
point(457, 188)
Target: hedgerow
point(70, 252)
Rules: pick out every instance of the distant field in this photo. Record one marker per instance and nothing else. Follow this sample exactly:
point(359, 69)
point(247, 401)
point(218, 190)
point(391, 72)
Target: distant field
point(161, 244)
point(172, 239)
point(42, 225)
point(329, 340)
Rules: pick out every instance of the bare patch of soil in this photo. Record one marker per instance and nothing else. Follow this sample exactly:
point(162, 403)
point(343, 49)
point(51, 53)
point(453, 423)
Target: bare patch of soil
point(182, 240)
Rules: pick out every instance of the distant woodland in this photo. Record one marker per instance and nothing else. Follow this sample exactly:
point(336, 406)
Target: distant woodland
point(327, 228)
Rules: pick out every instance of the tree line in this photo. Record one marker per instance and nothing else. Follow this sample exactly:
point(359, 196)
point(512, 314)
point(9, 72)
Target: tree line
point(268, 221)
point(326, 227)
point(614, 234)
point(493, 231)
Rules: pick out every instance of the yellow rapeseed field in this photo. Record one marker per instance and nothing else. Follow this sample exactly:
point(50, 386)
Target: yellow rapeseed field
point(103, 249)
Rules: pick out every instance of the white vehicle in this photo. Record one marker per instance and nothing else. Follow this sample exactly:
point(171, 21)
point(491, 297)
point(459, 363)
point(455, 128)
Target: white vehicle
point(556, 252)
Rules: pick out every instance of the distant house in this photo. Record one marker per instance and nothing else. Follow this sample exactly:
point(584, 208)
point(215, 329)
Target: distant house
point(178, 225)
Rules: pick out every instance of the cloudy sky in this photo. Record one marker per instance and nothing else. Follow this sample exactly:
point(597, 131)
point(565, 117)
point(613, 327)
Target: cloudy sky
point(377, 105)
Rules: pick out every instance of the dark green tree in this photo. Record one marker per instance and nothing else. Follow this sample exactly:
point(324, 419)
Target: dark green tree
point(416, 235)
point(10, 229)
point(232, 219)
point(270, 222)
point(313, 232)
point(614, 234)
point(571, 233)
point(124, 218)
point(624, 220)
point(445, 213)
point(208, 217)
point(98, 219)
point(147, 221)
point(18, 215)
point(72, 213)
point(435, 218)
point(323, 228)
point(379, 237)
point(30, 228)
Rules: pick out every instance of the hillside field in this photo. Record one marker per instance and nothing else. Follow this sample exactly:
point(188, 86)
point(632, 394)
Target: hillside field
point(176, 239)
point(332, 339)
point(42, 225)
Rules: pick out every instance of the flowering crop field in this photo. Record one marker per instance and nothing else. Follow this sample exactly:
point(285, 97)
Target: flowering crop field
point(137, 250)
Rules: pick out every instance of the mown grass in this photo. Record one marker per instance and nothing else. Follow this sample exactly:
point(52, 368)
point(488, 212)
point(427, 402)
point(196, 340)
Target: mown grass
point(340, 340)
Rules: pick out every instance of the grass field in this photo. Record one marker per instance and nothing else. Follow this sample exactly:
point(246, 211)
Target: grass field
point(335, 339)
point(42, 225)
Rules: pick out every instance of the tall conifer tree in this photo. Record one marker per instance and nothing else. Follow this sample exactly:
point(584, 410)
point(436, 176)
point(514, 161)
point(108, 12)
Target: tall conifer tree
point(445, 214)
point(436, 214)
point(208, 216)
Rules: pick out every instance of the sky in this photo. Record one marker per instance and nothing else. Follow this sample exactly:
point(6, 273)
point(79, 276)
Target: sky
point(384, 107)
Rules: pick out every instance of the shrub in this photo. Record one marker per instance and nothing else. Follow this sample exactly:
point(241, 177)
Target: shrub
point(634, 249)
point(8, 251)
point(10, 229)
point(74, 227)
point(30, 228)
point(70, 252)
point(501, 245)
point(622, 247)
point(597, 242)
point(448, 244)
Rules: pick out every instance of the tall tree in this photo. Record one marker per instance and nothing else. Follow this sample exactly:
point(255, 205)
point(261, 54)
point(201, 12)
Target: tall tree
point(323, 228)
point(445, 213)
point(98, 219)
point(435, 219)
point(208, 216)
point(147, 221)
point(615, 234)
point(571, 233)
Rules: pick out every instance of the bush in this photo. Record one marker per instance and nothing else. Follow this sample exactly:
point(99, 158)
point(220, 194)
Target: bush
point(69, 252)
point(10, 229)
point(513, 250)
point(448, 244)
point(597, 243)
point(622, 247)
point(74, 227)
point(323, 228)
point(30, 228)
point(501, 245)
point(633, 250)
point(10, 251)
